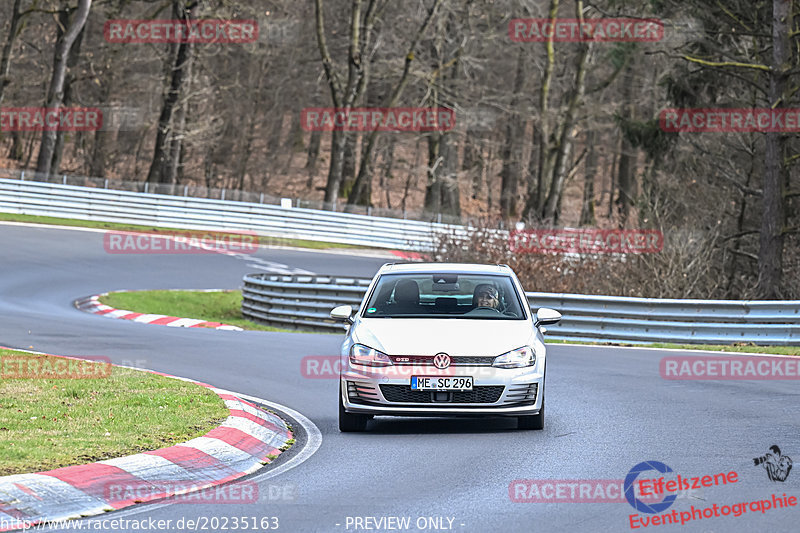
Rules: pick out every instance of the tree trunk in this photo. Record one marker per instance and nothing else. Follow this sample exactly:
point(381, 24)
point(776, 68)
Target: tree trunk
point(343, 98)
point(411, 178)
point(733, 263)
point(433, 189)
point(294, 142)
point(590, 169)
point(770, 251)
point(450, 195)
point(360, 193)
point(534, 179)
point(5, 58)
point(348, 164)
point(160, 168)
point(535, 201)
point(566, 133)
point(72, 61)
point(612, 174)
point(102, 145)
point(512, 147)
point(178, 131)
point(241, 170)
point(386, 175)
point(626, 181)
point(58, 148)
point(55, 93)
point(477, 168)
point(16, 152)
point(274, 140)
point(313, 153)
point(338, 144)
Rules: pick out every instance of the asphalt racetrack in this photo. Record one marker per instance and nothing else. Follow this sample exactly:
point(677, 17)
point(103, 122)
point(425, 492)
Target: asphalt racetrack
point(608, 409)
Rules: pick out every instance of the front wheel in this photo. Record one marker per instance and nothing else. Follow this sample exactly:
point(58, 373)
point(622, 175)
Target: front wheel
point(533, 421)
point(349, 422)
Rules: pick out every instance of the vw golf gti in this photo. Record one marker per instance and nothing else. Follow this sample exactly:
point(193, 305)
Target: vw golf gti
point(443, 339)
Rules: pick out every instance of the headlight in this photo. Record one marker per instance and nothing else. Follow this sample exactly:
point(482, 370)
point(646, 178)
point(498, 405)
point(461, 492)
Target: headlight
point(364, 355)
point(518, 358)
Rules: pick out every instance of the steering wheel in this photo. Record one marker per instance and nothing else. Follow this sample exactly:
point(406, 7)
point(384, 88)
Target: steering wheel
point(490, 308)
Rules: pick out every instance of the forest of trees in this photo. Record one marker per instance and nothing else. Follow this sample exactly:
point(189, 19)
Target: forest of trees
point(551, 133)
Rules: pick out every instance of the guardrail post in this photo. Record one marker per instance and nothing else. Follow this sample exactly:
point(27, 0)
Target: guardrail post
point(64, 180)
point(261, 198)
point(186, 190)
point(223, 194)
point(22, 176)
point(145, 187)
point(105, 184)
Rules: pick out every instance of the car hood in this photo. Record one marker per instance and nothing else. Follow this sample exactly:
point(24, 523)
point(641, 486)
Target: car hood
point(456, 336)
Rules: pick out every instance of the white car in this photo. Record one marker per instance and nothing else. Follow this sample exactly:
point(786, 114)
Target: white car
point(443, 339)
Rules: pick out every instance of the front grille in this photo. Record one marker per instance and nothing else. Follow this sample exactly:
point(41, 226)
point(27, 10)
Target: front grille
point(427, 360)
point(404, 394)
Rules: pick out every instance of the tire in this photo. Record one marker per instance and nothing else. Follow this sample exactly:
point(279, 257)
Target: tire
point(349, 422)
point(533, 421)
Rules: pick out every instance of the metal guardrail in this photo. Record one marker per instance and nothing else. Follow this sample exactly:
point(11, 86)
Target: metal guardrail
point(221, 193)
point(303, 302)
point(127, 207)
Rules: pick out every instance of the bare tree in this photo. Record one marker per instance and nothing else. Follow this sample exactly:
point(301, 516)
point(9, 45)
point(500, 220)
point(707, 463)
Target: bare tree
point(55, 94)
point(162, 167)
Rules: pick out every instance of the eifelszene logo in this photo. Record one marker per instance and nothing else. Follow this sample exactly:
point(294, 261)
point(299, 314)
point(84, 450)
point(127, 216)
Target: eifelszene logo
point(636, 502)
point(777, 466)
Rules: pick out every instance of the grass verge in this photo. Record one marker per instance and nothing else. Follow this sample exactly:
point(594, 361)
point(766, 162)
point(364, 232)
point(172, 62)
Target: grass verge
point(218, 306)
point(263, 240)
point(50, 423)
point(747, 348)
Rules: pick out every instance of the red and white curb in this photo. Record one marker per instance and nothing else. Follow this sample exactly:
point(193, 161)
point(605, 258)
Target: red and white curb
point(248, 439)
point(91, 304)
point(409, 256)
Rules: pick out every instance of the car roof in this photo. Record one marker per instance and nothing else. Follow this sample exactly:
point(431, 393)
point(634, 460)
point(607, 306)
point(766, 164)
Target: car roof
point(398, 268)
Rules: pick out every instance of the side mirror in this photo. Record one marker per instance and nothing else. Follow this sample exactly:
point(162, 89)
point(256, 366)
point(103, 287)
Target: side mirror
point(343, 312)
point(546, 316)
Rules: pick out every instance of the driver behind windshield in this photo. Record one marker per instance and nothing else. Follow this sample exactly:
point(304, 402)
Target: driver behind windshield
point(486, 296)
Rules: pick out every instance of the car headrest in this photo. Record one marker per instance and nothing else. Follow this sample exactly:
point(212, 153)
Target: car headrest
point(406, 291)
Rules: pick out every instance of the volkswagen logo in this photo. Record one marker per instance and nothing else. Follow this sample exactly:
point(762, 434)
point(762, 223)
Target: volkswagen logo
point(441, 360)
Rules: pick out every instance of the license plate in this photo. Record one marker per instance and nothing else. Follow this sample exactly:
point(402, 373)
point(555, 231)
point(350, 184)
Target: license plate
point(441, 383)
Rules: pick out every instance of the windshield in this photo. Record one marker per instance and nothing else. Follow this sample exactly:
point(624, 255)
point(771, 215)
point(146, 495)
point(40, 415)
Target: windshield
point(445, 295)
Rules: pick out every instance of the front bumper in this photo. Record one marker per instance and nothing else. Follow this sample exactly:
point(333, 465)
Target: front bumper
point(496, 391)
